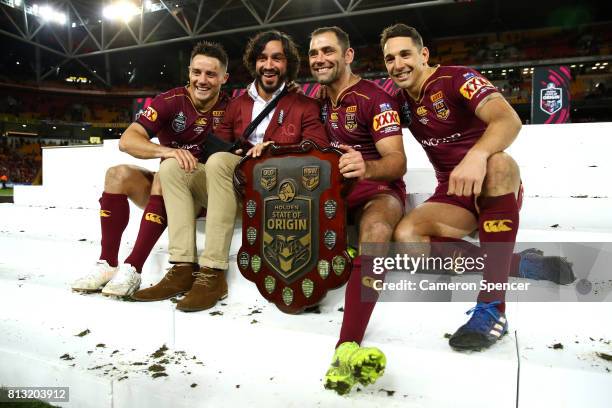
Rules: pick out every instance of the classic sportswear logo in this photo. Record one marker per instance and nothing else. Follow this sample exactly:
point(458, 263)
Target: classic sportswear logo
point(158, 219)
point(105, 213)
point(497, 225)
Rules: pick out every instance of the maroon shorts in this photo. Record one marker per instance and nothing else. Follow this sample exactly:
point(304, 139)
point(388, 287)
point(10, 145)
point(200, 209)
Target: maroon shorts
point(467, 202)
point(366, 189)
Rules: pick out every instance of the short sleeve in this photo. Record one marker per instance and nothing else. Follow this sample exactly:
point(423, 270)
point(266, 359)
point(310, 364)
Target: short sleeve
point(155, 116)
point(384, 117)
point(470, 87)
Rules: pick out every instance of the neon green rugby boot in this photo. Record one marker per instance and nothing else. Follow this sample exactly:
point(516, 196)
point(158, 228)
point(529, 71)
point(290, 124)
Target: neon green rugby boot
point(367, 364)
point(339, 377)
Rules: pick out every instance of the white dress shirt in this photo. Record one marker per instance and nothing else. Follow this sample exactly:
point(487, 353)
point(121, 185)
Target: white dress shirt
point(259, 105)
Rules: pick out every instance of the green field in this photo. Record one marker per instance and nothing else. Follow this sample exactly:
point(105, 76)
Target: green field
point(6, 192)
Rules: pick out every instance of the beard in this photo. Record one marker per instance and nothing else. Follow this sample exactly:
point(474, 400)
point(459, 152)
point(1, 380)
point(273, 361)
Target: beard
point(280, 80)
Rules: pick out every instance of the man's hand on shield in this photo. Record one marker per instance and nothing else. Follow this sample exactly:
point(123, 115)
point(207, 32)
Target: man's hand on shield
point(258, 149)
point(352, 164)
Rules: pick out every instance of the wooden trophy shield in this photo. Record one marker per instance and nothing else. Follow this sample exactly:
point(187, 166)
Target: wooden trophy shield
point(294, 238)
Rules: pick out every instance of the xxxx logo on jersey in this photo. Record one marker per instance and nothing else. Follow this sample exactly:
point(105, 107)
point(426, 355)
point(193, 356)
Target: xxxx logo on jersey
point(384, 119)
point(150, 113)
point(497, 225)
point(156, 218)
point(473, 85)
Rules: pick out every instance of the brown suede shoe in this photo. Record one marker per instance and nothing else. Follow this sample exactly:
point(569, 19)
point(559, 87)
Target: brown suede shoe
point(177, 281)
point(209, 287)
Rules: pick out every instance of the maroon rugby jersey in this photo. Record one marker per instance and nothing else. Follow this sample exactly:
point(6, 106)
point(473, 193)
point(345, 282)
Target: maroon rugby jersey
point(364, 114)
point(443, 118)
point(176, 122)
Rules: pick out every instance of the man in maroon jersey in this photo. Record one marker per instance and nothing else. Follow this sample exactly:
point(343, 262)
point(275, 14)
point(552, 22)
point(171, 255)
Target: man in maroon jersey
point(273, 60)
point(362, 120)
point(464, 124)
point(180, 119)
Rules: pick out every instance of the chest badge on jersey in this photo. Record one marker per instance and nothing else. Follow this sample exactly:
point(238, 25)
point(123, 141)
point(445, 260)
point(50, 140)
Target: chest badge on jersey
point(350, 121)
point(439, 105)
point(179, 123)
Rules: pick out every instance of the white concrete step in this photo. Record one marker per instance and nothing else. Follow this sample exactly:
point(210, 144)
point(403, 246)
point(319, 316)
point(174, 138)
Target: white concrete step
point(39, 318)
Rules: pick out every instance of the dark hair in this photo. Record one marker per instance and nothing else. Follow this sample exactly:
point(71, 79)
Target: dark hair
point(256, 45)
point(341, 35)
point(401, 30)
point(210, 49)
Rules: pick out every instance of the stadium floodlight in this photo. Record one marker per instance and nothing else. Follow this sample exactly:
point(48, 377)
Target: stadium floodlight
point(148, 5)
point(121, 10)
point(47, 13)
point(17, 3)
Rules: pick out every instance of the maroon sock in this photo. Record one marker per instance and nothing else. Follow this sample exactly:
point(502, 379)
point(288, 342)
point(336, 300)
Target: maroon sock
point(152, 225)
point(515, 266)
point(498, 223)
point(114, 217)
point(357, 312)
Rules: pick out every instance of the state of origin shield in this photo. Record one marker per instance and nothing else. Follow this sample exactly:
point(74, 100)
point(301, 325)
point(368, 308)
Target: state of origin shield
point(294, 236)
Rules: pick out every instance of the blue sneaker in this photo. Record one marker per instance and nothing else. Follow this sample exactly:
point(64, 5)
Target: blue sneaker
point(533, 265)
point(485, 327)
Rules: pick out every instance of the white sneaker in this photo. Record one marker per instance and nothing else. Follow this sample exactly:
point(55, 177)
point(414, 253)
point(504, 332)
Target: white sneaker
point(125, 282)
point(99, 276)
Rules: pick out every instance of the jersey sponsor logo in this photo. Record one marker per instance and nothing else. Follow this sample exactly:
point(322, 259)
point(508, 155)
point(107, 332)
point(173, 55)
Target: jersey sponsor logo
point(422, 111)
point(384, 119)
point(351, 109)
point(197, 130)
point(218, 113)
point(469, 75)
point(333, 117)
point(432, 142)
point(150, 113)
point(437, 96)
point(424, 120)
point(350, 122)
point(497, 225)
point(179, 123)
point(156, 218)
point(201, 121)
point(473, 85)
point(385, 107)
point(105, 213)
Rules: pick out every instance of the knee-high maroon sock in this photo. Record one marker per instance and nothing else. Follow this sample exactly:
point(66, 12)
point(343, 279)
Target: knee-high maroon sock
point(498, 224)
point(152, 225)
point(357, 312)
point(114, 217)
